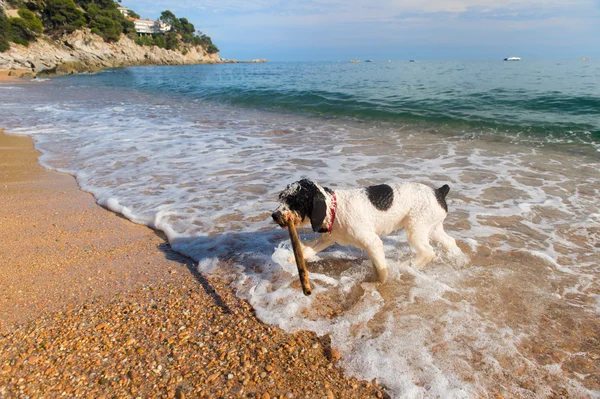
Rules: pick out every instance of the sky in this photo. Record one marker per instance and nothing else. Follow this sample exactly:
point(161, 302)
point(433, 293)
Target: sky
point(332, 30)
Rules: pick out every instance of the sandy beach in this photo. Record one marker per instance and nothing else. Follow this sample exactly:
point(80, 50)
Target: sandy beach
point(11, 75)
point(92, 305)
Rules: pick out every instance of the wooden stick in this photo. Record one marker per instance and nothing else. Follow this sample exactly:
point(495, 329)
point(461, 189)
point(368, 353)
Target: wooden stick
point(302, 272)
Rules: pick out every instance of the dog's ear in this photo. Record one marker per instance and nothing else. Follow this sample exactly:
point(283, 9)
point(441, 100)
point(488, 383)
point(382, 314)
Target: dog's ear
point(319, 211)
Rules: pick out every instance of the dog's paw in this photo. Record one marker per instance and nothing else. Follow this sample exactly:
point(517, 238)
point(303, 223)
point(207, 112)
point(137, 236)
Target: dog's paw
point(459, 259)
point(307, 253)
point(416, 265)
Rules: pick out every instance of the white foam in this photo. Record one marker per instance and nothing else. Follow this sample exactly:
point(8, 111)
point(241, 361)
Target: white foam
point(550, 260)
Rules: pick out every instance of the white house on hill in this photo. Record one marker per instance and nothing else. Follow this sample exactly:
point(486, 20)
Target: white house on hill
point(150, 26)
point(144, 26)
point(123, 10)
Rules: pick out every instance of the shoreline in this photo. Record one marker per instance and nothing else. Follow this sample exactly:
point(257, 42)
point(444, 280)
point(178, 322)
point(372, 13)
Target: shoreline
point(94, 304)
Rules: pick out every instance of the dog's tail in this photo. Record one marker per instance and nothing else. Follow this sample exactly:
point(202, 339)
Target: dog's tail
point(440, 196)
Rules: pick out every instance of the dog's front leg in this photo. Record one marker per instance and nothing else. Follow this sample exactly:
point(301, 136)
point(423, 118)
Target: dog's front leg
point(310, 249)
point(314, 247)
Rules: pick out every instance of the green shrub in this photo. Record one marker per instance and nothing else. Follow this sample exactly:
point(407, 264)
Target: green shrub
point(4, 32)
point(24, 29)
point(106, 21)
point(186, 31)
point(134, 14)
point(145, 41)
point(212, 49)
point(33, 22)
point(172, 42)
point(160, 40)
point(62, 16)
point(19, 32)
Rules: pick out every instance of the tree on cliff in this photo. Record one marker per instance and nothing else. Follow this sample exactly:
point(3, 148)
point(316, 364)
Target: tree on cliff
point(170, 19)
point(21, 29)
point(25, 28)
point(187, 32)
point(104, 19)
point(32, 22)
point(62, 16)
point(133, 14)
point(101, 16)
point(4, 31)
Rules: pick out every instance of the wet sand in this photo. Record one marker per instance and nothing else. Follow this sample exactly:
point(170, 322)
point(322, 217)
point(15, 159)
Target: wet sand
point(11, 75)
point(92, 305)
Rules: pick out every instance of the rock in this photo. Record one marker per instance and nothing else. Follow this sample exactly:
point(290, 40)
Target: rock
point(83, 51)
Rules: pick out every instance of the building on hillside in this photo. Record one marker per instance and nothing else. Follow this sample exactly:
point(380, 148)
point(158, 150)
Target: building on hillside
point(149, 26)
point(123, 10)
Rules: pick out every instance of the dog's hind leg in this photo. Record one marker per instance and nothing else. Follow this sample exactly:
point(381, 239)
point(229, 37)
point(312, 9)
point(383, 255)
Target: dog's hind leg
point(419, 241)
point(438, 234)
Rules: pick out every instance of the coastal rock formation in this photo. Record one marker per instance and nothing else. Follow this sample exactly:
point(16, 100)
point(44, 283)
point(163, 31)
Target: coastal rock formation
point(83, 51)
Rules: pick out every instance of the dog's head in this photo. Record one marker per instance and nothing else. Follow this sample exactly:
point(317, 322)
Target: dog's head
point(302, 202)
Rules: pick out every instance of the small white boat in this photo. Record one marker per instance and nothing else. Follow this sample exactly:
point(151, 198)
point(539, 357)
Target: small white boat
point(512, 59)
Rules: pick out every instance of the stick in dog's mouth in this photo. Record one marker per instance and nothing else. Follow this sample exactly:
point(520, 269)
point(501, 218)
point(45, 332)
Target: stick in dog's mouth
point(283, 219)
point(302, 272)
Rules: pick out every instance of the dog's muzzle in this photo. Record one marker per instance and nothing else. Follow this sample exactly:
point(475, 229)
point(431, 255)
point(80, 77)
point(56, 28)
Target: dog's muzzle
point(278, 218)
point(284, 216)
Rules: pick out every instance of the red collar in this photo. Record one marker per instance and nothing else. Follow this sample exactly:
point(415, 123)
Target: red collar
point(333, 209)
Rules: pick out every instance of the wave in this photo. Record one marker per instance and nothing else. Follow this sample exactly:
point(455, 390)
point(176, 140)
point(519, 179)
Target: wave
point(438, 99)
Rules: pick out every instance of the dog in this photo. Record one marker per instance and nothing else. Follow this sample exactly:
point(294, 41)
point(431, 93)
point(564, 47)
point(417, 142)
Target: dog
point(358, 217)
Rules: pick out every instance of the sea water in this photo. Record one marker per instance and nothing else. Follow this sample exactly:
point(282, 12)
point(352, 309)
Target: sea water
point(201, 152)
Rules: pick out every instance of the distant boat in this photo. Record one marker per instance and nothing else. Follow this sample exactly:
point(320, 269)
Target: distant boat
point(412, 61)
point(512, 59)
point(368, 60)
point(354, 60)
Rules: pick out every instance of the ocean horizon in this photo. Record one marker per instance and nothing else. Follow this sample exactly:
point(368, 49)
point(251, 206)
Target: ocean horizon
point(201, 152)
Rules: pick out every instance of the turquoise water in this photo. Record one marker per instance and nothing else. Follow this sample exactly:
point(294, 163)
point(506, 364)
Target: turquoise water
point(550, 99)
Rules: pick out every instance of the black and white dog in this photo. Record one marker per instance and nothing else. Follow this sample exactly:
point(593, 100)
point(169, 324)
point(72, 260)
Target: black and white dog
point(358, 217)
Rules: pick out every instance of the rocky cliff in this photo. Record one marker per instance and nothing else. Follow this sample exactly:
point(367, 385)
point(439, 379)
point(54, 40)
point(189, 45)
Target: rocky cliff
point(83, 51)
